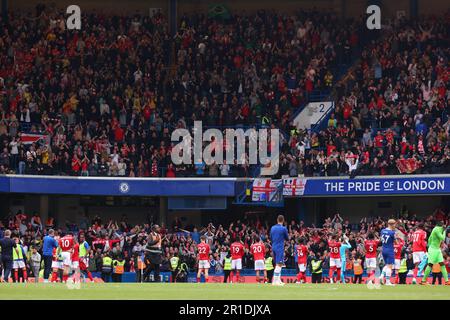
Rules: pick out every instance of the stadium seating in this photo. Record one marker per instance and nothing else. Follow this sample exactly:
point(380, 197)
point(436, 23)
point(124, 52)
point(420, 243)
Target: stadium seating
point(104, 101)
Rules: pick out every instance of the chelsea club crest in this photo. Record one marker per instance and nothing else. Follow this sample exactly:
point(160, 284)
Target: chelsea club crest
point(124, 187)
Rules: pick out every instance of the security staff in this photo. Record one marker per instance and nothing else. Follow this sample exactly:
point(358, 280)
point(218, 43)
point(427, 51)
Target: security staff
point(174, 263)
point(139, 267)
point(402, 272)
point(316, 269)
point(153, 253)
point(118, 269)
point(7, 245)
point(269, 267)
point(106, 267)
point(226, 267)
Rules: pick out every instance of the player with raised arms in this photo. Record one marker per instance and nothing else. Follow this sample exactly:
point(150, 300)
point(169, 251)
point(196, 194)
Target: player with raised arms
point(258, 250)
point(435, 256)
point(345, 245)
point(203, 258)
point(278, 234)
point(387, 236)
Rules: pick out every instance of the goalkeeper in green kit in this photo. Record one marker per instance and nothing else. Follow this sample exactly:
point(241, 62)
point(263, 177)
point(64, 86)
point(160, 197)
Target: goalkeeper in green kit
point(435, 240)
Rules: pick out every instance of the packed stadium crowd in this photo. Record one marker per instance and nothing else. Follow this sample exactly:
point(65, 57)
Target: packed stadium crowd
point(104, 100)
point(126, 244)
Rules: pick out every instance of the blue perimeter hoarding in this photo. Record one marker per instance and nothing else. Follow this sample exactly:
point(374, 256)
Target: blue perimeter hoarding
point(221, 187)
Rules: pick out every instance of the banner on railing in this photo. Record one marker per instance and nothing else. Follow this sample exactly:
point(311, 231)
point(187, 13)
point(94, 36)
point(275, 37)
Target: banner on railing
point(368, 186)
point(293, 187)
point(266, 190)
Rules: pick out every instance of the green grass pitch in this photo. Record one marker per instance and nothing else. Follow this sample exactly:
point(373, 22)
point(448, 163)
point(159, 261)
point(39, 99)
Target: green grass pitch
point(217, 291)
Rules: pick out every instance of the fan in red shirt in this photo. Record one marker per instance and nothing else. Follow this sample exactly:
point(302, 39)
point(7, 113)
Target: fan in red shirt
point(398, 247)
point(419, 248)
point(237, 252)
point(203, 258)
point(302, 256)
point(335, 258)
point(371, 246)
point(66, 243)
point(258, 250)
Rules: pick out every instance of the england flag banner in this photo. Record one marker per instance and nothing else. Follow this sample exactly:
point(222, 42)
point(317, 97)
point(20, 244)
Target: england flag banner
point(265, 189)
point(294, 187)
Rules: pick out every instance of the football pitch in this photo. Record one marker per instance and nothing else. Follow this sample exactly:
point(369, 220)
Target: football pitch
point(218, 291)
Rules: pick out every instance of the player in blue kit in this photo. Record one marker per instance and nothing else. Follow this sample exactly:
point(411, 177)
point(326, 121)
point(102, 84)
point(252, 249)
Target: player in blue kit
point(387, 237)
point(278, 234)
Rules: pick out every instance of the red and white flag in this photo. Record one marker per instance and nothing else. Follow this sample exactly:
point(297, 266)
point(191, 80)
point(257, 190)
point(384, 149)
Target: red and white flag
point(293, 187)
point(29, 138)
point(265, 189)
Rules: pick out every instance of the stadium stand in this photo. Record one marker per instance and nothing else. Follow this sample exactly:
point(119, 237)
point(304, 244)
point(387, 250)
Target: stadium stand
point(112, 93)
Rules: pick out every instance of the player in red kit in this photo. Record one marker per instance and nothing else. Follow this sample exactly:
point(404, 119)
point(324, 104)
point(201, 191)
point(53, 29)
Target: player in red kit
point(203, 258)
point(335, 258)
point(66, 244)
point(419, 248)
point(302, 256)
point(237, 252)
point(76, 261)
point(370, 247)
point(258, 250)
point(398, 247)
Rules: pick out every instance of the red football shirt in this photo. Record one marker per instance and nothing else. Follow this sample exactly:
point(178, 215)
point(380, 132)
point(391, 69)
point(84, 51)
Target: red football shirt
point(258, 250)
point(302, 254)
point(398, 246)
point(66, 243)
point(76, 253)
point(203, 251)
point(418, 239)
point(371, 248)
point(334, 249)
point(237, 250)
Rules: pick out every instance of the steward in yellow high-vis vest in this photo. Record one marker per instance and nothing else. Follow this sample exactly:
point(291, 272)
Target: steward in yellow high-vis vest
point(226, 268)
point(269, 267)
point(174, 263)
point(106, 268)
point(118, 269)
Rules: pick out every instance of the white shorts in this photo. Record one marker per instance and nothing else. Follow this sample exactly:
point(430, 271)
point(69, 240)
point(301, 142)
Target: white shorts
point(57, 265)
point(260, 265)
point(75, 264)
point(397, 264)
point(335, 262)
point(67, 261)
point(418, 256)
point(236, 264)
point(18, 264)
point(203, 264)
point(301, 267)
point(371, 263)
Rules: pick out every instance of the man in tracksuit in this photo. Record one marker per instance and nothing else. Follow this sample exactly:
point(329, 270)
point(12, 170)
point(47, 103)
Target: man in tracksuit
point(47, 252)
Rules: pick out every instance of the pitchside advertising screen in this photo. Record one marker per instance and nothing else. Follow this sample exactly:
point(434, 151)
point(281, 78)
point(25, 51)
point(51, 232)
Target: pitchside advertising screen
point(363, 186)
